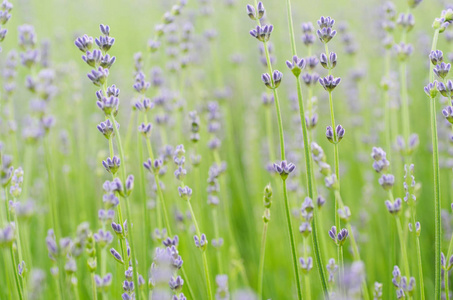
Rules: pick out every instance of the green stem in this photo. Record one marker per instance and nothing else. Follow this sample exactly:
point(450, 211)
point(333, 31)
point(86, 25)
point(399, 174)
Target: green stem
point(291, 238)
point(388, 127)
point(216, 236)
point(402, 245)
point(270, 139)
point(205, 260)
point(307, 275)
point(310, 186)
point(447, 290)
point(93, 284)
point(419, 255)
point(405, 101)
point(261, 265)
point(282, 153)
point(436, 177)
point(16, 274)
point(128, 213)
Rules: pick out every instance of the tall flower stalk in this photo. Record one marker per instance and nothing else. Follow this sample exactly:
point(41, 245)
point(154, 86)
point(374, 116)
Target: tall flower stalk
point(272, 80)
point(108, 102)
point(267, 199)
point(185, 193)
point(296, 66)
point(335, 134)
point(431, 90)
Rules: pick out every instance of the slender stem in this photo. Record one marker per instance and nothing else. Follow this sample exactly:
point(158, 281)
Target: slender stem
point(402, 245)
point(128, 213)
point(282, 153)
point(419, 255)
point(388, 127)
point(405, 101)
point(310, 185)
point(291, 238)
point(159, 190)
point(270, 139)
point(216, 236)
point(93, 284)
point(205, 260)
point(306, 275)
point(436, 177)
point(16, 274)
point(446, 289)
point(261, 265)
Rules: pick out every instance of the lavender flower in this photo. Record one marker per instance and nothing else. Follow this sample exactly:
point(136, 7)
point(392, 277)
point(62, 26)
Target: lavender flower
point(328, 62)
point(380, 163)
point(84, 43)
point(273, 82)
point(329, 83)
point(403, 51)
point(296, 66)
point(262, 33)
point(112, 165)
point(387, 181)
point(332, 269)
point(116, 255)
point(436, 56)
point(251, 11)
point(406, 21)
point(93, 59)
point(99, 76)
point(432, 89)
point(339, 238)
point(201, 242)
point(306, 264)
point(445, 89)
point(185, 193)
point(145, 129)
point(105, 42)
point(222, 292)
point(326, 33)
point(284, 168)
point(176, 283)
point(394, 207)
point(106, 128)
point(442, 69)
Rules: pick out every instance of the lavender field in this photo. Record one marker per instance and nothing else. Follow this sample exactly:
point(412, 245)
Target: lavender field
point(226, 149)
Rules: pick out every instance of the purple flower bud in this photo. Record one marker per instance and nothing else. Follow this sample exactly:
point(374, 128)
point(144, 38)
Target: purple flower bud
point(251, 12)
point(116, 255)
point(403, 50)
point(296, 66)
point(387, 181)
point(117, 228)
point(176, 283)
point(394, 207)
point(93, 59)
point(201, 242)
point(145, 129)
point(436, 57)
point(185, 192)
point(448, 113)
point(112, 165)
point(99, 76)
point(442, 69)
point(330, 135)
point(129, 184)
point(329, 83)
point(107, 61)
point(106, 128)
point(284, 168)
point(406, 21)
point(262, 33)
point(84, 43)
